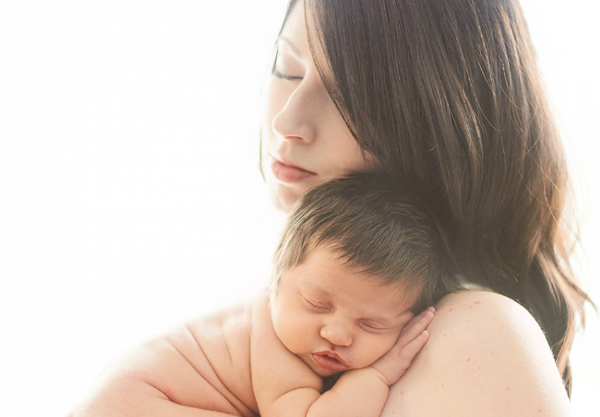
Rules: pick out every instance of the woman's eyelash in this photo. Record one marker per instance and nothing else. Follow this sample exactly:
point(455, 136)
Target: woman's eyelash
point(285, 76)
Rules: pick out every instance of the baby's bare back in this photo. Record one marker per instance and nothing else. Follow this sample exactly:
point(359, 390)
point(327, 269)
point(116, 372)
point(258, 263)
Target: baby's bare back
point(204, 365)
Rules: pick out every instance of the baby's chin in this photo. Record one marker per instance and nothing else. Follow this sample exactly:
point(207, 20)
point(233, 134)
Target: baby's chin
point(324, 373)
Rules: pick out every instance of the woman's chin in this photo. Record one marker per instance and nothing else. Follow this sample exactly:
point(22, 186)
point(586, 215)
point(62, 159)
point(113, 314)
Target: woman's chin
point(284, 198)
point(284, 201)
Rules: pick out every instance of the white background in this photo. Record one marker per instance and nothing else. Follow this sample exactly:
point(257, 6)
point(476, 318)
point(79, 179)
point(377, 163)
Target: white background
point(130, 198)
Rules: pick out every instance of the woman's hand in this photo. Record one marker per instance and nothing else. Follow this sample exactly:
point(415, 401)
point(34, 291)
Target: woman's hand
point(413, 337)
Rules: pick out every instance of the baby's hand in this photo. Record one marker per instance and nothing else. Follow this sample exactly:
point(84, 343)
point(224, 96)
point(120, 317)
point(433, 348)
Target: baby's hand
point(396, 361)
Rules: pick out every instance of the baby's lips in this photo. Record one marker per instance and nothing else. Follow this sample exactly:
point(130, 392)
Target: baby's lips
point(334, 355)
point(330, 360)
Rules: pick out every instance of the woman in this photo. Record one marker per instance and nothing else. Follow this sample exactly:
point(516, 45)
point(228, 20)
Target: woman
point(444, 95)
point(447, 96)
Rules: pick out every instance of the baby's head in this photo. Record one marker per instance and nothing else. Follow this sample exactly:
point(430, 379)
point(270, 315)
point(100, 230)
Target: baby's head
point(357, 258)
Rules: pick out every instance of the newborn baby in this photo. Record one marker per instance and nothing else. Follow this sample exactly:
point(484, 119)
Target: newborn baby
point(356, 260)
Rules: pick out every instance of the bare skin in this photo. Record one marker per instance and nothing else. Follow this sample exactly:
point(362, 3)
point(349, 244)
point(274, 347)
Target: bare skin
point(486, 357)
point(325, 317)
point(302, 124)
point(203, 369)
point(199, 366)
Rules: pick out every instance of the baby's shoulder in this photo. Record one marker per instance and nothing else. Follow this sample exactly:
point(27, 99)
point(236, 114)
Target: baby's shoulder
point(229, 322)
point(203, 364)
point(218, 349)
point(224, 338)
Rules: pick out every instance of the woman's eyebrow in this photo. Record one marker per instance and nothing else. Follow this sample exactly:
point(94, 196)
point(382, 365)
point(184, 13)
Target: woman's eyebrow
point(289, 43)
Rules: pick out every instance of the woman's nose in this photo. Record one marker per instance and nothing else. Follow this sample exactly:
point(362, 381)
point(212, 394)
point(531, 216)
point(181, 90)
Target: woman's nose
point(337, 333)
point(298, 118)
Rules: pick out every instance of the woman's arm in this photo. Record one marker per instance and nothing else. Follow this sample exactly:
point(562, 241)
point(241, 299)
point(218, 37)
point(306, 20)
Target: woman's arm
point(285, 386)
point(486, 357)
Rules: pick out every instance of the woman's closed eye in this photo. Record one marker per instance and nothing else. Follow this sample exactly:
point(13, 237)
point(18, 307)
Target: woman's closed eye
point(284, 76)
point(287, 67)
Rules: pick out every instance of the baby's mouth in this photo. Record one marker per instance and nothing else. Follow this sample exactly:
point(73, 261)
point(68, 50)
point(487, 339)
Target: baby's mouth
point(330, 360)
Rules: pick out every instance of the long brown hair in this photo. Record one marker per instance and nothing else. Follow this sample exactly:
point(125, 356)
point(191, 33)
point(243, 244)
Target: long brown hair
point(446, 95)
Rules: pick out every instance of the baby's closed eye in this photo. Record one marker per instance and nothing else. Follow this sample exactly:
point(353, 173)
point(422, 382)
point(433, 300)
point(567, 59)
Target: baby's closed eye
point(317, 306)
point(372, 327)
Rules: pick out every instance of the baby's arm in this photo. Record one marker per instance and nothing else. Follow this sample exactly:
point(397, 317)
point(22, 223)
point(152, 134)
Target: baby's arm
point(285, 386)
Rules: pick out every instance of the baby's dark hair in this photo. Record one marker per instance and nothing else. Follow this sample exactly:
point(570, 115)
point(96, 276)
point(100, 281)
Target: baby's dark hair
point(377, 228)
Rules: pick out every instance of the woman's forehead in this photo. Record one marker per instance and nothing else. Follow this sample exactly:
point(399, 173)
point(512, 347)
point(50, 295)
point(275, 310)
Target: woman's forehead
point(300, 34)
point(293, 32)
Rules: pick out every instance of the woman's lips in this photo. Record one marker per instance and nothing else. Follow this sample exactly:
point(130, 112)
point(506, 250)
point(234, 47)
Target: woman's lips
point(289, 173)
point(330, 361)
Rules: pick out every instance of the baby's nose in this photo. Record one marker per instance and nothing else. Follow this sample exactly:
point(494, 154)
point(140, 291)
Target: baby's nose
point(337, 333)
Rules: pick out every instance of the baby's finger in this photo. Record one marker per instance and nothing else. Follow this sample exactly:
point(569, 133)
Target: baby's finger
point(416, 326)
point(409, 351)
point(416, 319)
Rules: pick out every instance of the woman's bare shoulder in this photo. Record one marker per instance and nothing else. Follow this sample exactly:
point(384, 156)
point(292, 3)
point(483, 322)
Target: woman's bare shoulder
point(459, 309)
point(486, 356)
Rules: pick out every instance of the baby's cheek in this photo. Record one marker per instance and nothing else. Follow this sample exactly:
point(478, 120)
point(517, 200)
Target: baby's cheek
point(288, 333)
point(378, 347)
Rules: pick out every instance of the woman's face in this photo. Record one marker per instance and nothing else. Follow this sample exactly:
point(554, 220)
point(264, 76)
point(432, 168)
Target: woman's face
point(304, 138)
